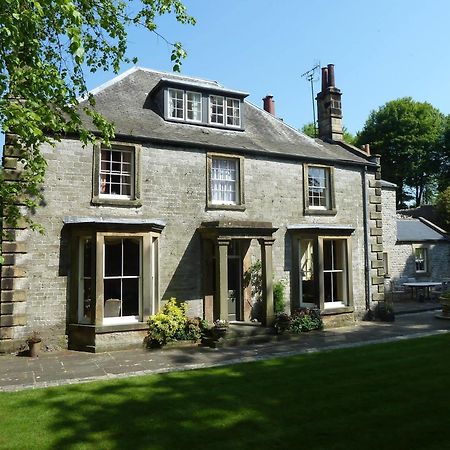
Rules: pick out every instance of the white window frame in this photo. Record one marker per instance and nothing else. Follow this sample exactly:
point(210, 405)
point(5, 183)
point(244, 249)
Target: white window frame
point(82, 318)
point(421, 259)
point(235, 181)
point(233, 116)
point(210, 109)
point(103, 182)
point(199, 111)
point(324, 189)
point(124, 319)
point(339, 303)
point(306, 268)
point(170, 102)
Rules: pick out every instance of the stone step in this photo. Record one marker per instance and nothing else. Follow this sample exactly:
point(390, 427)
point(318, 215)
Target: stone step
point(246, 334)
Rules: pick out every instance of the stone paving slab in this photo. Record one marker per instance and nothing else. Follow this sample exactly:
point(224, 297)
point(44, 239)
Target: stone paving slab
point(68, 367)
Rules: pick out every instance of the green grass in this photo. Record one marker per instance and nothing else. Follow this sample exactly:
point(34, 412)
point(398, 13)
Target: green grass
point(390, 396)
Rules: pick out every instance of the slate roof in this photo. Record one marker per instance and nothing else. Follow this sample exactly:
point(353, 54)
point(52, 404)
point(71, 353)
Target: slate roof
point(125, 101)
point(416, 230)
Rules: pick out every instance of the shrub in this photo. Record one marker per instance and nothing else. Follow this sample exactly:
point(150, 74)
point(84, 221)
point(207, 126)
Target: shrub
point(171, 324)
point(306, 320)
point(278, 297)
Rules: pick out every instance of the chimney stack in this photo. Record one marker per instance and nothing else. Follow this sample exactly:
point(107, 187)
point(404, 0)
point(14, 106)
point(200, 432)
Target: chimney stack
point(329, 108)
point(269, 104)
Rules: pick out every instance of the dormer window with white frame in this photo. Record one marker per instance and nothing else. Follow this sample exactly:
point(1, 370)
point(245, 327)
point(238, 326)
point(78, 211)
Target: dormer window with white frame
point(216, 109)
point(193, 106)
point(185, 105)
point(224, 111)
point(233, 112)
point(176, 104)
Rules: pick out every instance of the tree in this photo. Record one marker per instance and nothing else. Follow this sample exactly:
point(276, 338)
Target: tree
point(409, 137)
point(45, 48)
point(443, 206)
point(310, 131)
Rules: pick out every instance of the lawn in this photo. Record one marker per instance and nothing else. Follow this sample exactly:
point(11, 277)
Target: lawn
point(389, 396)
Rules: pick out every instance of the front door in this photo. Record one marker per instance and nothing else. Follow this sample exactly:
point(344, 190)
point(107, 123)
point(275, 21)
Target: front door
point(234, 282)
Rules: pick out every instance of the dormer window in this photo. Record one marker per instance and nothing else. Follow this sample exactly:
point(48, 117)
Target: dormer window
point(185, 105)
point(176, 104)
point(224, 111)
point(193, 106)
point(233, 112)
point(216, 109)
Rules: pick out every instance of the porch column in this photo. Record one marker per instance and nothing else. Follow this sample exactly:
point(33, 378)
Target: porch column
point(267, 281)
point(221, 288)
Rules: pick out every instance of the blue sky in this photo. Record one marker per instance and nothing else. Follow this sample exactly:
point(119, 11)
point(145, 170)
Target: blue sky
point(382, 50)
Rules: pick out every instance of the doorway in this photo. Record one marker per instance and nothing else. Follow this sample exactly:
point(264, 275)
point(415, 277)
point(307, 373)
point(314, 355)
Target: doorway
point(235, 281)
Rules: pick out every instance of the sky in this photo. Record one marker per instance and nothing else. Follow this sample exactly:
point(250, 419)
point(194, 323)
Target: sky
point(382, 50)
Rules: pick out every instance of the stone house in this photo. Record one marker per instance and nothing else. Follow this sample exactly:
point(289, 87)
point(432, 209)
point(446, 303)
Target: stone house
point(414, 248)
point(198, 186)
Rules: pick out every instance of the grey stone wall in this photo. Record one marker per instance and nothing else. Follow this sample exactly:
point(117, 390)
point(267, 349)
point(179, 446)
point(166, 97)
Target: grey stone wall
point(401, 262)
point(174, 190)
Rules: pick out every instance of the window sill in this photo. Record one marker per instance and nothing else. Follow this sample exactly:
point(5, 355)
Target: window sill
point(226, 207)
point(101, 329)
point(319, 212)
point(127, 203)
point(337, 310)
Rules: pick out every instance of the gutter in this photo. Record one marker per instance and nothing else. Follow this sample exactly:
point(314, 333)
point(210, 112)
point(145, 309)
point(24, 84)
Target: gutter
point(366, 238)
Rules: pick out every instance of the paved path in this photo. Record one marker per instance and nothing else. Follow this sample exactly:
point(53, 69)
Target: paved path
point(68, 367)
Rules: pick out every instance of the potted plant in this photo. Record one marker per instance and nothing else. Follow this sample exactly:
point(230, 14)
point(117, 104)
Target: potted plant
point(34, 344)
point(282, 323)
point(444, 300)
point(384, 311)
point(220, 328)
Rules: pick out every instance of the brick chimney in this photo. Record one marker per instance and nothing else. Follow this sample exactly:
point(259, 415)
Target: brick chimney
point(269, 104)
point(329, 108)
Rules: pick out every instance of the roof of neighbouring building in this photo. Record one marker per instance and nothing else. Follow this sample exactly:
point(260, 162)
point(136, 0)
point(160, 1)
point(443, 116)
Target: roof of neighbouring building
point(418, 230)
point(428, 212)
point(127, 102)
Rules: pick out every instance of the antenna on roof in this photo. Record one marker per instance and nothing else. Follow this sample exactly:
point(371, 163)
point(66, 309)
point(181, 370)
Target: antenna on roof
point(310, 76)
